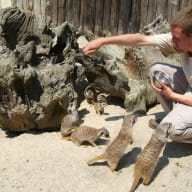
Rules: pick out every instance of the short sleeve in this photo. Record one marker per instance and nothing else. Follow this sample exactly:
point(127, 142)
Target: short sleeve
point(163, 41)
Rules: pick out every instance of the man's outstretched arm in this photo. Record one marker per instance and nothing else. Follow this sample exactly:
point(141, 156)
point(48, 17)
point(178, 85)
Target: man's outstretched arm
point(133, 40)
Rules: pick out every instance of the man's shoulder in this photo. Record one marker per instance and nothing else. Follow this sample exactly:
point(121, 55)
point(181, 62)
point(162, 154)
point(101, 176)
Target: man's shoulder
point(163, 36)
point(164, 42)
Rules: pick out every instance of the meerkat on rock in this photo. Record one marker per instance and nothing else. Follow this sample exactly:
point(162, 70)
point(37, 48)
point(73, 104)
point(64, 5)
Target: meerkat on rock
point(90, 94)
point(93, 97)
point(148, 158)
point(116, 149)
point(86, 133)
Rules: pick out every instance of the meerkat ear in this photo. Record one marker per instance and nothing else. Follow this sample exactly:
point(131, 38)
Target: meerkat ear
point(107, 135)
point(103, 104)
point(101, 133)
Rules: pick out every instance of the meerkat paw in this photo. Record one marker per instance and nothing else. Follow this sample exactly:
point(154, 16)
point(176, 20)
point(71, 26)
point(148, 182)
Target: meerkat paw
point(113, 168)
point(92, 144)
point(116, 172)
point(146, 180)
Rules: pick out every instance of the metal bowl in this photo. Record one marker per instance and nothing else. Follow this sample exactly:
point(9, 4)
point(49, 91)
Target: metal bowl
point(161, 77)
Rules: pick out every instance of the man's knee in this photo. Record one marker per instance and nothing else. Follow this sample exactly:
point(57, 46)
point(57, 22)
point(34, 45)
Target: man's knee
point(179, 137)
point(155, 67)
point(176, 134)
point(177, 128)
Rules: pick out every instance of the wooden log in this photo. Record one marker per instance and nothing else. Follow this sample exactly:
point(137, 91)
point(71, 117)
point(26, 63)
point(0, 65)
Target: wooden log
point(124, 16)
point(37, 7)
point(83, 15)
point(25, 4)
point(20, 4)
point(61, 11)
point(106, 17)
point(14, 3)
point(115, 9)
point(43, 6)
point(69, 11)
point(134, 22)
point(173, 7)
point(99, 17)
point(92, 14)
point(76, 13)
point(54, 13)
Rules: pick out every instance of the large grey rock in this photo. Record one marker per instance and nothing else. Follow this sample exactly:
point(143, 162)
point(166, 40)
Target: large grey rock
point(37, 71)
point(41, 69)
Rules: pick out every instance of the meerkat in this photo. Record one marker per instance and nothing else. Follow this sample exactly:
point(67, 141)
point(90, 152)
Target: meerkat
point(90, 94)
point(100, 104)
point(99, 107)
point(69, 121)
point(116, 149)
point(89, 134)
point(101, 98)
point(148, 158)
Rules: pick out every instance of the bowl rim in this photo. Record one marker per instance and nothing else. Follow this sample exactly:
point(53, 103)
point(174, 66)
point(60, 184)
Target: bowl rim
point(162, 73)
point(158, 81)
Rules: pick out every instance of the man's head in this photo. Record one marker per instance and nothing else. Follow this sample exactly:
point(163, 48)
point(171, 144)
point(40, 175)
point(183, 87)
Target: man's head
point(181, 28)
point(183, 19)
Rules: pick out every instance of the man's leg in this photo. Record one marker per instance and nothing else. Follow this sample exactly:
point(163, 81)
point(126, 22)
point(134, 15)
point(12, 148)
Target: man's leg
point(181, 119)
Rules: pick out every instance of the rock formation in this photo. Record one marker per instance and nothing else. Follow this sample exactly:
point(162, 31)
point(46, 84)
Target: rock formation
point(41, 68)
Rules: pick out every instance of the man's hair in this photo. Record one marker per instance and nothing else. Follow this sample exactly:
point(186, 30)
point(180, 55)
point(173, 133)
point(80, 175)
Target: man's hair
point(183, 19)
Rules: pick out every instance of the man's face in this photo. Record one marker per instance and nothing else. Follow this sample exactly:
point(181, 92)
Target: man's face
point(181, 42)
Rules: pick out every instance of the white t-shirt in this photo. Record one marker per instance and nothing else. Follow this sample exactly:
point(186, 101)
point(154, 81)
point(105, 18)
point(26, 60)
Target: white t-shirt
point(167, 48)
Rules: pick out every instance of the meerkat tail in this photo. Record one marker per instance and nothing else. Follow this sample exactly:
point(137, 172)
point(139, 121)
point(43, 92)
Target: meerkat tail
point(67, 138)
point(100, 157)
point(135, 183)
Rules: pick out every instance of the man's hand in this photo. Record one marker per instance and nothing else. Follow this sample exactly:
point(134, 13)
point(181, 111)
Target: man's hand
point(93, 46)
point(164, 90)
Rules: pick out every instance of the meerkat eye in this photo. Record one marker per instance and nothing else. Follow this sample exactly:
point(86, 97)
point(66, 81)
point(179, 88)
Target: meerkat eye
point(103, 104)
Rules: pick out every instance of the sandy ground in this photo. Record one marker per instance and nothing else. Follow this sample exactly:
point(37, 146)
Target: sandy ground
point(41, 161)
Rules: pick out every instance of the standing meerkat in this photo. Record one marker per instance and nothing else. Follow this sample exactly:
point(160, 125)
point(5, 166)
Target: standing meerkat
point(116, 149)
point(70, 120)
point(148, 158)
point(86, 133)
point(90, 94)
point(99, 107)
point(100, 103)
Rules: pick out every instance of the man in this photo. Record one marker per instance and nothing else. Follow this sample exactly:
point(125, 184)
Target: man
point(176, 101)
